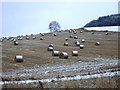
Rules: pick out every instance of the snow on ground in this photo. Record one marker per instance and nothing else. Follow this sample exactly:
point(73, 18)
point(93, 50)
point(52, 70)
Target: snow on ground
point(77, 77)
point(65, 69)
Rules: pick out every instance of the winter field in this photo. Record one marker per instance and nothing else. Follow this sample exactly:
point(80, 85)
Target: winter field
point(96, 66)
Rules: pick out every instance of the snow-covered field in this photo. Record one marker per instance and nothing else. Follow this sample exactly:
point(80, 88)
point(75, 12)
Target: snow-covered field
point(109, 28)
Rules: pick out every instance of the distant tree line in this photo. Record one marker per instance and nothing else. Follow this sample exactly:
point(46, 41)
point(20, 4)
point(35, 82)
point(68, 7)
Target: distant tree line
point(110, 20)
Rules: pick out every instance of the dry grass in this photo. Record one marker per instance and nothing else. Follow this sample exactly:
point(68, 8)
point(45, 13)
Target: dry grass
point(35, 51)
point(109, 82)
point(35, 54)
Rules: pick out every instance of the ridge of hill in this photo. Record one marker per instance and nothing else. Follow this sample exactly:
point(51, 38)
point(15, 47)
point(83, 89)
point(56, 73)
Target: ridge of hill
point(109, 20)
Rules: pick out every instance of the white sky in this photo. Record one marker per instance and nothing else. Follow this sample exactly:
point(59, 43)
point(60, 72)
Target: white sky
point(21, 18)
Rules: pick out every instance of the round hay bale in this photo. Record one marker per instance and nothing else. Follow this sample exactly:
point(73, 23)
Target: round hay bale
point(65, 44)
point(63, 55)
point(55, 53)
point(14, 40)
point(71, 36)
point(55, 34)
point(51, 45)
point(66, 39)
point(20, 38)
point(83, 40)
point(92, 33)
point(77, 43)
point(1, 40)
point(42, 34)
point(70, 31)
point(41, 38)
point(81, 31)
point(74, 53)
point(106, 33)
point(81, 46)
point(97, 43)
point(34, 37)
point(75, 32)
point(27, 38)
point(19, 58)
point(16, 43)
point(50, 48)
point(75, 37)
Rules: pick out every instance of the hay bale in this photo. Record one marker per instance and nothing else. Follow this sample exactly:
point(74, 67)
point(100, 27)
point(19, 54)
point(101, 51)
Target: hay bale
point(16, 43)
point(14, 40)
point(70, 31)
point(27, 38)
point(74, 53)
point(66, 39)
point(71, 36)
point(106, 33)
point(75, 37)
point(42, 34)
point(81, 46)
point(55, 34)
point(41, 38)
point(50, 48)
point(81, 31)
point(65, 44)
point(63, 55)
point(75, 32)
point(34, 37)
point(1, 40)
point(20, 38)
point(97, 43)
point(83, 40)
point(19, 58)
point(51, 45)
point(77, 43)
point(55, 53)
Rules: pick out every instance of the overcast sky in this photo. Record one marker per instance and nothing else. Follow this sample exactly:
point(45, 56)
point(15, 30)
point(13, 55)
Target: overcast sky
point(21, 18)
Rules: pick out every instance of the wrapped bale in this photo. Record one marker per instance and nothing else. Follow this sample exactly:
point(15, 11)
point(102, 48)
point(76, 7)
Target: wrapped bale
point(55, 53)
point(81, 31)
point(65, 44)
point(83, 40)
point(81, 46)
point(106, 33)
point(77, 43)
point(27, 38)
point(63, 55)
point(34, 37)
point(20, 38)
point(19, 58)
point(41, 38)
point(70, 31)
point(14, 40)
point(51, 45)
point(16, 43)
point(75, 37)
point(42, 34)
point(50, 48)
point(1, 40)
point(66, 39)
point(74, 53)
point(71, 36)
point(55, 34)
point(97, 43)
